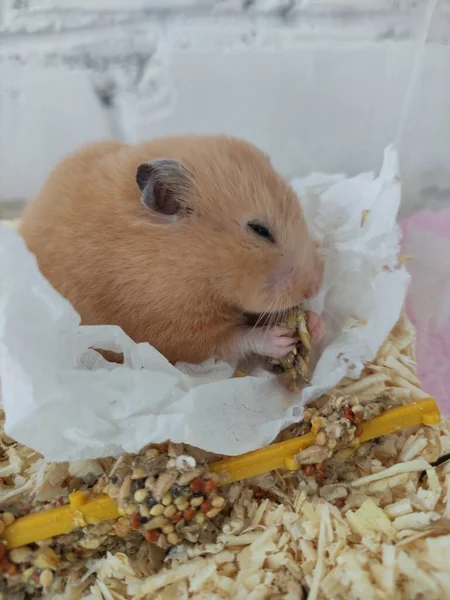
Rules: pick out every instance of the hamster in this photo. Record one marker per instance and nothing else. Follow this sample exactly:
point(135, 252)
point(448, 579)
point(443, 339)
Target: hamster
point(176, 240)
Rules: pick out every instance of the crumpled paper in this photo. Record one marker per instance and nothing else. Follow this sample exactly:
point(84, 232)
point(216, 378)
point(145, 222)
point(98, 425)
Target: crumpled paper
point(63, 399)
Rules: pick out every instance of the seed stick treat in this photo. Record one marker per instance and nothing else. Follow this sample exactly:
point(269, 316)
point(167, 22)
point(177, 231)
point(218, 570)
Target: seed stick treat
point(352, 520)
point(293, 368)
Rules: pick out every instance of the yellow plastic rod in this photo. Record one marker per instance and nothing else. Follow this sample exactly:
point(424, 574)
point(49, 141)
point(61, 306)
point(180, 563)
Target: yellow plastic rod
point(85, 510)
point(82, 510)
point(282, 455)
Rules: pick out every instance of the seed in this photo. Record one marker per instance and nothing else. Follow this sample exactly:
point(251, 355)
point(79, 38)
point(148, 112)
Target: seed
point(140, 495)
point(152, 452)
point(170, 510)
point(177, 517)
point(206, 506)
point(180, 501)
point(189, 514)
point(145, 511)
point(8, 518)
point(180, 525)
point(152, 536)
point(46, 578)
point(321, 438)
point(167, 499)
point(162, 541)
point(135, 521)
point(348, 413)
point(183, 506)
point(2, 527)
point(12, 569)
point(158, 509)
point(149, 483)
point(173, 539)
point(20, 555)
point(47, 559)
point(168, 528)
point(143, 520)
point(130, 508)
point(213, 513)
point(358, 430)
point(196, 485)
point(217, 501)
point(2, 552)
point(209, 486)
point(200, 518)
point(125, 488)
point(28, 573)
point(358, 417)
point(186, 478)
point(197, 501)
point(307, 416)
point(138, 473)
point(321, 470)
point(309, 470)
point(332, 444)
point(178, 490)
point(122, 528)
point(157, 522)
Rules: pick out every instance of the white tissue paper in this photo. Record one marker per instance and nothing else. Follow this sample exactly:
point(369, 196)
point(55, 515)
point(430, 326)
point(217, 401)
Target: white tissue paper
point(65, 401)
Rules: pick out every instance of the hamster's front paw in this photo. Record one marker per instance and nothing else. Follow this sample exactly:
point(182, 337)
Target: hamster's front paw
point(274, 342)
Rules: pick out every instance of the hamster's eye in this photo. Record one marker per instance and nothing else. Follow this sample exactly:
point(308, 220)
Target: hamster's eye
point(261, 231)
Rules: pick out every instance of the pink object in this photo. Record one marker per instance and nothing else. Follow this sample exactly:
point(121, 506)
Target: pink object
point(426, 236)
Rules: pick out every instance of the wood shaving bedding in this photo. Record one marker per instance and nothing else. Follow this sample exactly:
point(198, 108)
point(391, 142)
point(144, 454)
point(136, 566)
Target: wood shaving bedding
point(373, 522)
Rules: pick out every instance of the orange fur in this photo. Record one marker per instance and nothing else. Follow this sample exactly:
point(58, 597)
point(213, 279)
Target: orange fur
point(181, 286)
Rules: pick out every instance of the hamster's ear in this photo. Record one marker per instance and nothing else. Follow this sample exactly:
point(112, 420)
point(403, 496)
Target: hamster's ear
point(164, 184)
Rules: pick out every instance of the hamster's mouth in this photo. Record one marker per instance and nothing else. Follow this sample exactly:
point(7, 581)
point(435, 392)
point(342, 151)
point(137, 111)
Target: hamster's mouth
point(266, 318)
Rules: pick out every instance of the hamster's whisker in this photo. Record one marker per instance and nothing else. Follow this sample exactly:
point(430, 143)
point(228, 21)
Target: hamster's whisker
point(262, 315)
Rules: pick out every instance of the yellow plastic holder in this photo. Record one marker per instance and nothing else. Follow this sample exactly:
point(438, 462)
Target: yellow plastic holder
point(84, 509)
point(282, 455)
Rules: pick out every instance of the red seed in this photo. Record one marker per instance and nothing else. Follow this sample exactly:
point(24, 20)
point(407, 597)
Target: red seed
point(189, 514)
point(135, 521)
point(152, 536)
point(12, 569)
point(2, 552)
point(36, 578)
point(358, 417)
point(358, 430)
point(321, 470)
point(209, 486)
point(177, 517)
point(348, 413)
point(309, 470)
point(206, 506)
point(196, 485)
